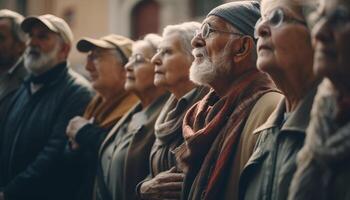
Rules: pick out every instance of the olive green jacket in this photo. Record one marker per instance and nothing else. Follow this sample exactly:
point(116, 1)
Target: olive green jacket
point(268, 172)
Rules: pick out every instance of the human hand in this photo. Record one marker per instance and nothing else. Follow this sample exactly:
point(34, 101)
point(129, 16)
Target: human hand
point(166, 185)
point(72, 129)
point(2, 197)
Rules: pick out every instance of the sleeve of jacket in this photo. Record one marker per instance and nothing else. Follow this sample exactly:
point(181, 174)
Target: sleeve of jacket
point(48, 164)
point(90, 137)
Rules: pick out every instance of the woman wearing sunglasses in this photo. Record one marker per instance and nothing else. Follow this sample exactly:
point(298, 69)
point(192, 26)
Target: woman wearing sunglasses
point(286, 55)
point(323, 163)
point(123, 155)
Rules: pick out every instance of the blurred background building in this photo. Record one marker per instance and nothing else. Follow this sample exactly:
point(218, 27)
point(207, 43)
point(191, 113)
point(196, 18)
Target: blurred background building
point(132, 18)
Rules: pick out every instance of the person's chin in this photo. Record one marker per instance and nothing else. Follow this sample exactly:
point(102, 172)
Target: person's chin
point(128, 87)
point(264, 64)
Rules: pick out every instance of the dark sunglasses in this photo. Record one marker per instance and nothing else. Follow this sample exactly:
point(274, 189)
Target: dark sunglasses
point(275, 19)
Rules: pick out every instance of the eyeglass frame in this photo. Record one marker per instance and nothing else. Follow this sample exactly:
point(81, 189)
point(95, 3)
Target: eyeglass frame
point(210, 30)
point(284, 18)
point(134, 59)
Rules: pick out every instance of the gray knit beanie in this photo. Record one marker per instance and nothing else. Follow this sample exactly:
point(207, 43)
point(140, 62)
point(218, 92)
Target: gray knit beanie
point(240, 14)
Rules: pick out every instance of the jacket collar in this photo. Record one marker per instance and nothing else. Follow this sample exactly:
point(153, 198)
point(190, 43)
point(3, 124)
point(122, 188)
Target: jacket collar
point(144, 116)
point(297, 121)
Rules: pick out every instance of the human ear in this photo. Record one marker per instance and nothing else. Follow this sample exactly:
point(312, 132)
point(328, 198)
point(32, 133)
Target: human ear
point(246, 46)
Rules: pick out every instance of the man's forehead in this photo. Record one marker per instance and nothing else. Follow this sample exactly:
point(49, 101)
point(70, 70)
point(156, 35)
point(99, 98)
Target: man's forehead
point(215, 20)
point(100, 50)
point(40, 28)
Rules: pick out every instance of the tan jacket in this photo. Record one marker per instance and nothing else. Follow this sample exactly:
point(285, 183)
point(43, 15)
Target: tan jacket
point(259, 114)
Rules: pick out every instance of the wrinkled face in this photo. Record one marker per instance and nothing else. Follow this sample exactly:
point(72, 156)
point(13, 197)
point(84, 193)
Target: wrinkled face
point(171, 62)
point(284, 43)
point(139, 69)
point(9, 51)
point(105, 69)
point(212, 49)
point(331, 39)
point(43, 49)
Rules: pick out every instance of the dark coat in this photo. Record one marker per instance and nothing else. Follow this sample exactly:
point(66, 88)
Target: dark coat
point(33, 163)
point(9, 83)
point(268, 173)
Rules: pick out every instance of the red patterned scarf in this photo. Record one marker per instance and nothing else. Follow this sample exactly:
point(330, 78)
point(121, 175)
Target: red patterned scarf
point(212, 129)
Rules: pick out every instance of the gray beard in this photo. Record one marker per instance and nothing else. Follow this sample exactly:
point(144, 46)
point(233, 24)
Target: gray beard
point(207, 71)
point(38, 64)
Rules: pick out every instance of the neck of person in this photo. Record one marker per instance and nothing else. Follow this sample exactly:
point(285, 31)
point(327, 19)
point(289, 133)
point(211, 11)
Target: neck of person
point(223, 84)
point(110, 94)
point(148, 96)
point(182, 88)
point(295, 88)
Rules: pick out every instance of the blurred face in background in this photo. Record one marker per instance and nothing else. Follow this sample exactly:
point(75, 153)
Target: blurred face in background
point(105, 69)
point(139, 69)
point(331, 39)
point(10, 49)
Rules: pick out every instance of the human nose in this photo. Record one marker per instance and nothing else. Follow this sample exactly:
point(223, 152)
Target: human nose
point(156, 59)
point(262, 29)
point(322, 31)
point(32, 41)
point(129, 65)
point(197, 40)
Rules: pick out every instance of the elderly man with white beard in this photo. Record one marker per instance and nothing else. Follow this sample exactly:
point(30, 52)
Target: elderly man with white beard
point(218, 129)
point(33, 160)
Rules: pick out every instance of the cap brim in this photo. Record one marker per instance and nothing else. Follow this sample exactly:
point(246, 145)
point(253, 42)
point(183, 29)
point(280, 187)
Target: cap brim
point(28, 23)
point(87, 44)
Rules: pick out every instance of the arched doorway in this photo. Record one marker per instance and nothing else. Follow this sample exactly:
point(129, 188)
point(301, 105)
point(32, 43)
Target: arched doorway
point(145, 18)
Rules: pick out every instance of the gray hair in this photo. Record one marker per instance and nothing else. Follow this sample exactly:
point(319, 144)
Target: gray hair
point(153, 40)
point(15, 20)
point(186, 31)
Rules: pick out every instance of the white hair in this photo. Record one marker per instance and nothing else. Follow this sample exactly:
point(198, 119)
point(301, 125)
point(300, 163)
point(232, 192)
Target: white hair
point(186, 31)
point(153, 40)
point(207, 71)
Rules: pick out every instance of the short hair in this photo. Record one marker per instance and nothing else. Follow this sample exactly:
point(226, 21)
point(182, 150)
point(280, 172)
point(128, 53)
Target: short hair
point(186, 31)
point(15, 20)
point(153, 40)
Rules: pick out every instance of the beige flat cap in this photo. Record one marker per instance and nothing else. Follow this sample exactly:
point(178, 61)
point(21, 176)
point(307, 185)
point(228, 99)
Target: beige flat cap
point(53, 23)
point(112, 41)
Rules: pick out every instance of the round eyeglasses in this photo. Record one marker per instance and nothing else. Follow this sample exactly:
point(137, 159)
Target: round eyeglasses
point(206, 30)
point(138, 58)
point(275, 19)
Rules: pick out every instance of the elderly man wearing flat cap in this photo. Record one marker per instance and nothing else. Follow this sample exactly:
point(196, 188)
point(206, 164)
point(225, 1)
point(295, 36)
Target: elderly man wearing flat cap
point(33, 162)
point(12, 46)
point(218, 129)
point(105, 63)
